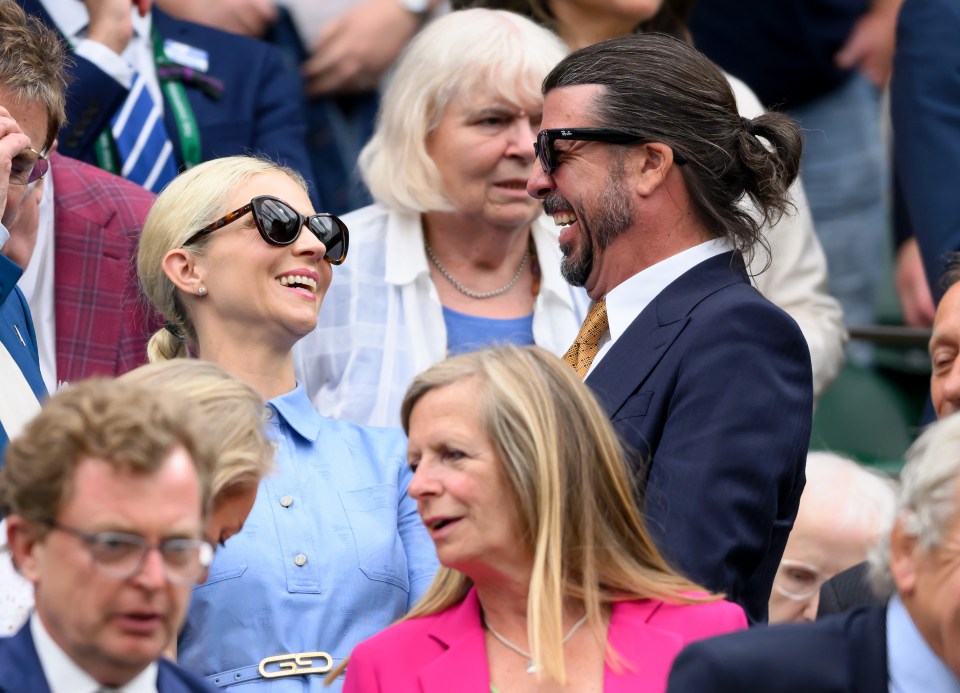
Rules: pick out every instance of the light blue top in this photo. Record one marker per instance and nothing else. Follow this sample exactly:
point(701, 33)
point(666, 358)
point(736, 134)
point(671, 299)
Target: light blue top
point(332, 552)
point(470, 332)
point(913, 666)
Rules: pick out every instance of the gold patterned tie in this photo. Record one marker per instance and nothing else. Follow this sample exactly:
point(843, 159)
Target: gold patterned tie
point(585, 347)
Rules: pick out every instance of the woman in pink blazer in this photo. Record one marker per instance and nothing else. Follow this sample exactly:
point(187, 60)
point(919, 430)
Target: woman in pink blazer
point(549, 577)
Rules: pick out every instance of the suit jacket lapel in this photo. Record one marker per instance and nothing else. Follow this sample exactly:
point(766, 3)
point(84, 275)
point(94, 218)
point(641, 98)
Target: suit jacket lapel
point(20, 664)
point(639, 349)
point(465, 660)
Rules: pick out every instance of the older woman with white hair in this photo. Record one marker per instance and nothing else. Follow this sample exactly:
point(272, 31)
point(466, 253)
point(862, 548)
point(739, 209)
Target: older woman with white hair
point(454, 255)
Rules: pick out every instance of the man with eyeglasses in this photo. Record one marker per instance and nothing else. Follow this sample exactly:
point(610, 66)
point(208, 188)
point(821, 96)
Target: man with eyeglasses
point(644, 160)
point(105, 494)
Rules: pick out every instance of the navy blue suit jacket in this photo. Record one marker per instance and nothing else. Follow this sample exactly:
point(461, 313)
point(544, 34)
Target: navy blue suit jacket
point(925, 108)
point(712, 389)
point(258, 111)
point(846, 653)
point(20, 670)
point(16, 325)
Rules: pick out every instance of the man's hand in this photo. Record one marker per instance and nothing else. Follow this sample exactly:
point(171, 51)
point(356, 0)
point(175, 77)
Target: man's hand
point(912, 287)
point(12, 142)
point(870, 45)
point(244, 17)
point(110, 21)
point(354, 50)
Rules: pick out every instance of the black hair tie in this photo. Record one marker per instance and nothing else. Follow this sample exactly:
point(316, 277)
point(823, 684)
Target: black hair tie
point(748, 125)
point(172, 329)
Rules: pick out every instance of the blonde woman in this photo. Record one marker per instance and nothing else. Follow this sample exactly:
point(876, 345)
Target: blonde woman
point(235, 420)
point(237, 261)
point(549, 577)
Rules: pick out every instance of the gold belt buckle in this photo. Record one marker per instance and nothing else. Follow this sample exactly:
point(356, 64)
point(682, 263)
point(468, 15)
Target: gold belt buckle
point(295, 664)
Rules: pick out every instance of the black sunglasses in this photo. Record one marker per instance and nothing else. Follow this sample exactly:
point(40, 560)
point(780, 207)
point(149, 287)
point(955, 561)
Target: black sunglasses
point(280, 224)
point(543, 147)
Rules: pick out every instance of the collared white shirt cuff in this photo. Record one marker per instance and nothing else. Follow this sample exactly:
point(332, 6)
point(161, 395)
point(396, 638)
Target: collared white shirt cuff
point(108, 61)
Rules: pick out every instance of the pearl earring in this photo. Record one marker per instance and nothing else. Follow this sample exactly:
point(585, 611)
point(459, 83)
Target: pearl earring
point(202, 291)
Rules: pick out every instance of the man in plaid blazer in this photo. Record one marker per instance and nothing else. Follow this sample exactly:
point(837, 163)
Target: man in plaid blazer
point(101, 326)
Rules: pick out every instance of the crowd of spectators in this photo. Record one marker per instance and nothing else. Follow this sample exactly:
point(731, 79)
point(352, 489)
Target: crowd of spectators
point(414, 345)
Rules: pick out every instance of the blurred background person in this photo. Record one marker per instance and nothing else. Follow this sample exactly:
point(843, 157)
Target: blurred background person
point(549, 577)
point(344, 50)
point(151, 95)
point(454, 255)
point(105, 494)
point(825, 64)
point(794, 273)
point(237, 261)
point(233, 419)
point(925, 109)
point(844, 511)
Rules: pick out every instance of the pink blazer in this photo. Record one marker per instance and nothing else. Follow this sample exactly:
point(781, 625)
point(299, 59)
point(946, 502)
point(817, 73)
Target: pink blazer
point(446, 651)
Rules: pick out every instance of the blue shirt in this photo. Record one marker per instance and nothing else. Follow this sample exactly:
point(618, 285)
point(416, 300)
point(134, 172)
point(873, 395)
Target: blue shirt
point(470, 332)
point(333, 551)
point(913, 666)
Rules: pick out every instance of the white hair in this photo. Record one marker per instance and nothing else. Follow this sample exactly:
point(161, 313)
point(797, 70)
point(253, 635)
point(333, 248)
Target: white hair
point(858, 497)
point(464, 52)
point(927, 501)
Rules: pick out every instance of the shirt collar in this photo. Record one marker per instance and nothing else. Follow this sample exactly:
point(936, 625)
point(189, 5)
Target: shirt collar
point(406, 257)
point(65, 676)
point(71, 17)
point(628, 299)
point(298, 412)
point(913, 665)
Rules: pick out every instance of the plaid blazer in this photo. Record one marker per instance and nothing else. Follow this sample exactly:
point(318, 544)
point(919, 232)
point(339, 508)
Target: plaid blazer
point(102, 322)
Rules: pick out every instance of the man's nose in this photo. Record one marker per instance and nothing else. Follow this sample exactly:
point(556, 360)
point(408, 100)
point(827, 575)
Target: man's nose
point(540, 183)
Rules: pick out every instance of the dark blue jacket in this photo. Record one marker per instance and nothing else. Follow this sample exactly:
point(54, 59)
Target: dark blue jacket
point(258, 111)
point(16, 325)
point(846, 653)
point(20, 670)
point(711, 386)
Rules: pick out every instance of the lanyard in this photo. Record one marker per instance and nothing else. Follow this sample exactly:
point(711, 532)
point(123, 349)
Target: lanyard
point(180, 109)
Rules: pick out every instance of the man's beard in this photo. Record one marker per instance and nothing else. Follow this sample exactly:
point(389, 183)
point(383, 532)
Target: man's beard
point(613, 216)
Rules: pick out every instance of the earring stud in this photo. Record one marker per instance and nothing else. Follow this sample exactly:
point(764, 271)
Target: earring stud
point(202, 291)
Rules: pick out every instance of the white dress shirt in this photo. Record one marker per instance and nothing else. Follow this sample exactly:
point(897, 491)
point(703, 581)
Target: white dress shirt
point(37, 287)
point(65, 676)
point(71, 18)
point(628, 299)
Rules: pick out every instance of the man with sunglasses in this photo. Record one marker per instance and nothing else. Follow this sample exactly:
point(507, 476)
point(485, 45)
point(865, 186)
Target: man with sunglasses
point(28, 124)
point(105, 493)
point(643, 162)
point(78, 233)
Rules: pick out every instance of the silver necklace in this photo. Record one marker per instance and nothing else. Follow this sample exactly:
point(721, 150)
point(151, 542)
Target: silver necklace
point(470, 292)
point(531, 668)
